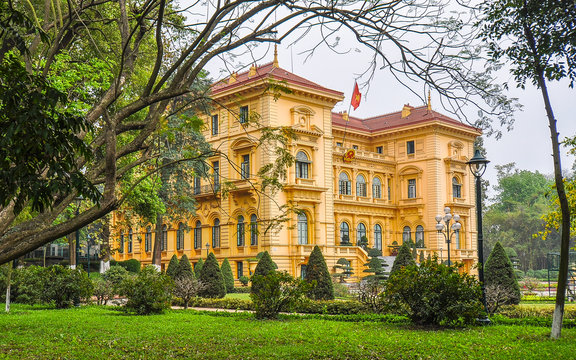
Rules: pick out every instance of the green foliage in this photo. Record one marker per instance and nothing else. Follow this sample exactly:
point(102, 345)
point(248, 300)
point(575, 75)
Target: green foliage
point(227, 275)
point(346, 270)
point(373, 252)
point(244, 280)
point(211, 277)
point(403, 259)
point(318, 276)
point(375, 269)
point(498, 270)
point(172, 269)
point(184, 268)
point(116, 276)
point(132, 265)
point(149, 292)
point(198, 268)
point(264, 266)
point(103, 290)
point(434, 294)
point(278, 291)
point(55, 284)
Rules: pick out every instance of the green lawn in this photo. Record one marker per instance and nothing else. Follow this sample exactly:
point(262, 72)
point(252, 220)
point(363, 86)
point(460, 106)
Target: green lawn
point(243, 296)
point(104, 333)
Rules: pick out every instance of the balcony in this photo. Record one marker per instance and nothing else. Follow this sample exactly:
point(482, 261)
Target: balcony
point(210, 190)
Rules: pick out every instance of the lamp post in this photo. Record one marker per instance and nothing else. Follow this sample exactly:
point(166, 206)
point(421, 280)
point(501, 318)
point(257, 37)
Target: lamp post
point(78, 202)
point(207, 249)
point(446, 229)
point(478, 166)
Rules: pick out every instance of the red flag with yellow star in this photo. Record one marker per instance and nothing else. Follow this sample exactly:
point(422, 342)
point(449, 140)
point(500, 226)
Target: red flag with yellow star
point(356, 97)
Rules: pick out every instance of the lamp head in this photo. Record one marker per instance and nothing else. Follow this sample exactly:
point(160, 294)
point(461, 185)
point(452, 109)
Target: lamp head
point(477, 163)
point(456, 217)
point(439, 226)
point(438, 218)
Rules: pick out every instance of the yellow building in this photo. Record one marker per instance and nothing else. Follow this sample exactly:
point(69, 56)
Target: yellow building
point(408, 166)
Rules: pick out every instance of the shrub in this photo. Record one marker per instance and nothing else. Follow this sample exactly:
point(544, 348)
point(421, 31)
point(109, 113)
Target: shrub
point(227, 275)
point(184, 268)
point(224, 303)
point(131, 265)
point(244, 280)
point(278, 291)
point(198, 268)
point(172, 268)
point(375, 270)
point(264, 266)
point(434, 294)
point(403, 259)
point(116, 276)
point(242, 290)
point(341, 290)
point(498, 270)
point(370, 294)
point(187, 287)
point(103, 290)
point(28, 284)
point(149, 292)
point(211, 277)
point(317, 273)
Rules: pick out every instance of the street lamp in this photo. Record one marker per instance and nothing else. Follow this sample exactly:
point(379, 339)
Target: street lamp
point(478, 167)
point(446, 229)
point(207, 249)
point(78, 202)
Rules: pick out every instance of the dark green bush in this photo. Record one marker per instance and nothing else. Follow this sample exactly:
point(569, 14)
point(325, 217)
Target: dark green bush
point(172, 268)
point(211, 277)
point(131, 265)
point(318, 277)
point(244, 280)
point(403, 259)
point(149, 292)
point(499, 272)
point(278, 291)
point(116, 276)
point(242, 290)
point(332, 307)
point(198, 268)
point(434, 294)
point(185, 268)
point(103, 290)
point(264, 266)
point(225, 303)
point(227, 275)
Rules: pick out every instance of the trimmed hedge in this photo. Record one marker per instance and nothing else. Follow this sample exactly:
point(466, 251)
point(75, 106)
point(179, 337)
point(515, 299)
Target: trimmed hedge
point(131, 265)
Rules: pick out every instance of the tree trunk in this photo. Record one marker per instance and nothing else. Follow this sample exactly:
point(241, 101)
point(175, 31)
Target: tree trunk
point(8, 285)
point(157, 251)
point(105, 252)
point(71, 252)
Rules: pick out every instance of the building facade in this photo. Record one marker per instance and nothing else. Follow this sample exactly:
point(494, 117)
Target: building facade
point(407, 167)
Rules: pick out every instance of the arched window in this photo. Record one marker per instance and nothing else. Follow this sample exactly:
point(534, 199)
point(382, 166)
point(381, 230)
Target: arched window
point(180, 237)
point(361, 232)
point(130, 237)
point(302, 229)
point(148, 239)
point(253, 230)
point(302, 165)
point(456, 188)
point(420, 236)
point(198, 235)
point(344, 234)
point(412, 189)
point(216, 234)
point(240, 231)
point(360, 186)
point(376, 188)
point(344, 184)
point(121, 245)
point(378, 237)
point(406, 235)
point(164, 239)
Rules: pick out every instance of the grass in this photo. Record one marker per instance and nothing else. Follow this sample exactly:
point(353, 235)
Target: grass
point(105, 333)
point(242, 296)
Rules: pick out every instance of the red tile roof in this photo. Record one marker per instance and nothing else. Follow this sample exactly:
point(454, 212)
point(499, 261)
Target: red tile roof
point(269, 71)
point(387, 121)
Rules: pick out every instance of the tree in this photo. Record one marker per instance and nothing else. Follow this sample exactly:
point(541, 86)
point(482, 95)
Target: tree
point(375, 269)
point(279, 291)
point(344, 265)
point(317, 272)
point(403, 259)
point(537, 38)
point(185, 268)
point(187, 287)
point(498, 270)
point(211, 277)
point(198, 268)
point(264, 266)
point(152, 68)
point(228, 276)
point(149, 292)
point(172, 269)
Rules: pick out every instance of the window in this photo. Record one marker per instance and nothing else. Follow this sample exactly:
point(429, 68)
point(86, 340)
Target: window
point(378, 237)
point(121, 245)
point(302, 229)
point(406, 235)
point(198, 235)
point(420, 236)
point(196, 185)
point(164, 242)
point(379, 149)
point(456, 188)
point(389, 183)
point(410, 147)
point(245, 167)
point(239, 269)
point(344, 233)
point(412, 189)
point(253, 230)
point(339, 144)
point(216, 234)
point(240, 231)
point(345, 187)
point(216, 167)
point(130, 236)
point(355, 147)
point(376, 188)
point(303, 271)
point(360, 186)
point(180, 237)
point(302, 163)
point(148, 239)
point(214, 125)
point(243, 114)
point(360, 233)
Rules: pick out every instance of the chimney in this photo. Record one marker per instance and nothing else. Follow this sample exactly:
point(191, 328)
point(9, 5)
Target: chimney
point(252, 71)
point(233, 78)
point(406, 110)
